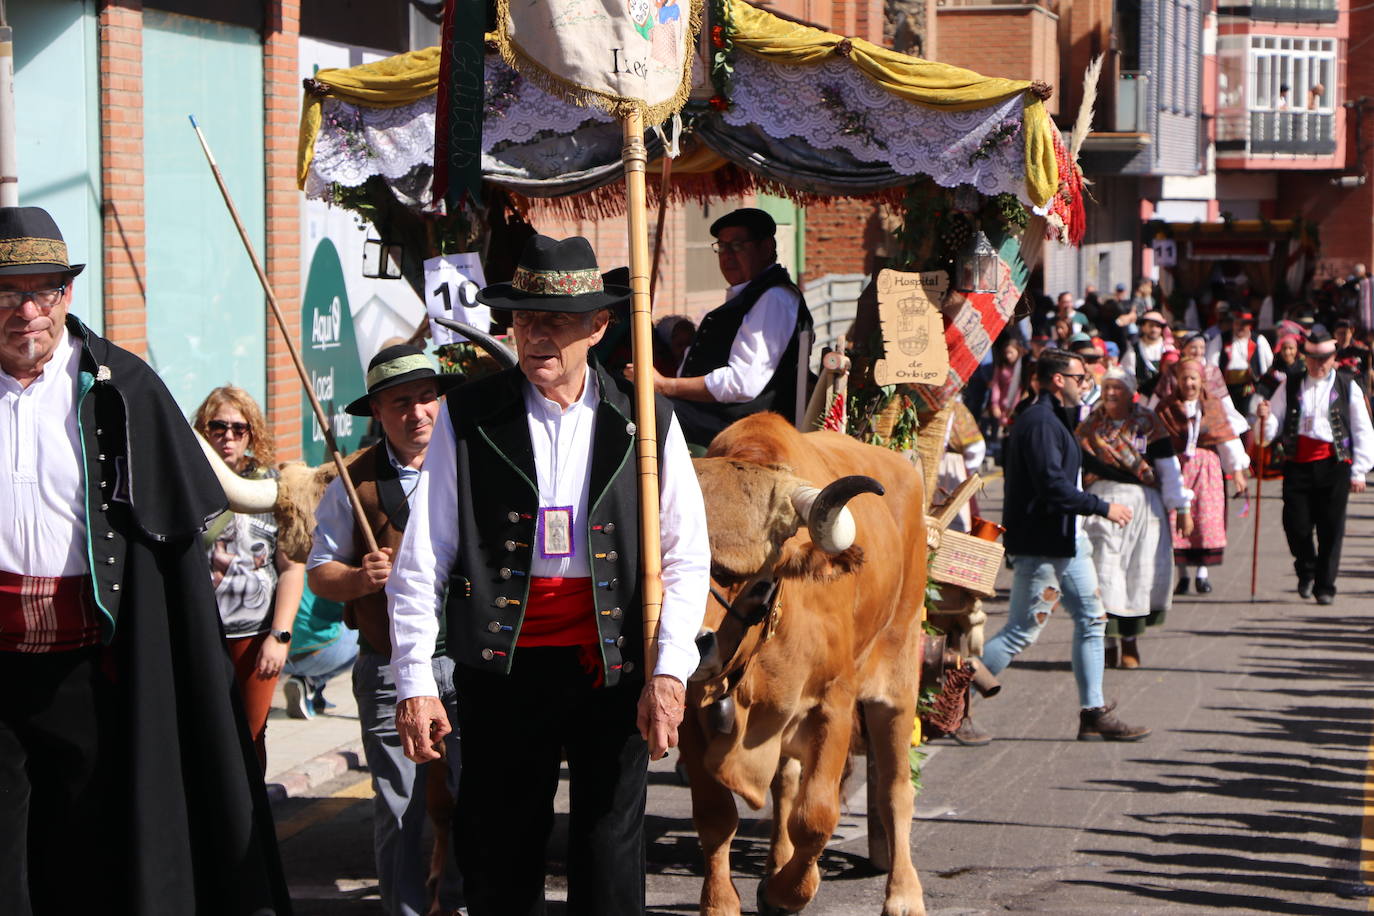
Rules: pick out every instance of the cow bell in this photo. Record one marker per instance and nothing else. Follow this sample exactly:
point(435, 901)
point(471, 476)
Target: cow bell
point(825, 513)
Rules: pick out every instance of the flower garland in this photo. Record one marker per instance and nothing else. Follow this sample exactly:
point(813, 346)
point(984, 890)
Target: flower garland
point(996, 137)
point(722, 49)
point(852, 123)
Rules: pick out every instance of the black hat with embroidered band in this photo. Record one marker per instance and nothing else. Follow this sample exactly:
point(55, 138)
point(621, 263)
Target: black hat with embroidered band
point(31, 243)
point(555, 276)
point(400, 365)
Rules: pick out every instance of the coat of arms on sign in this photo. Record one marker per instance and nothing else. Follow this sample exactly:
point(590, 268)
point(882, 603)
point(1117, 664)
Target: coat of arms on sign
point(913, 330)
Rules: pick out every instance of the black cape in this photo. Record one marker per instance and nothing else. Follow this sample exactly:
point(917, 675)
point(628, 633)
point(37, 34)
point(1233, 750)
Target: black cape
point(194, 830)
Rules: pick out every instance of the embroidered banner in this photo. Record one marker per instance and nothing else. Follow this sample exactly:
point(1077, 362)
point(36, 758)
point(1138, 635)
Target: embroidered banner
point(617, 55)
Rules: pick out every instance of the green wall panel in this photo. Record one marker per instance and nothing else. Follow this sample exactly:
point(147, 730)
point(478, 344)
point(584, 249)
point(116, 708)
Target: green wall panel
point(57, 103)
point(206, 312)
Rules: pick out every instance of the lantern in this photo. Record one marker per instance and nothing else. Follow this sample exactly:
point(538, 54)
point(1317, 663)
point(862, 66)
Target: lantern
point(382, 259)
point(977, 266)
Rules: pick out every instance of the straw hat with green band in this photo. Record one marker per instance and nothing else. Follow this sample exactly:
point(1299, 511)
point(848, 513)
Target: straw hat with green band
point(399, 365)
point(31, 243)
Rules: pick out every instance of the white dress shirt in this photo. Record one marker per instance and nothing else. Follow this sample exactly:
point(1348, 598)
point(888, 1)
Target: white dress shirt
point(1315, 419)
point(42, 493)
point(1237, 355)
point(758, 348)
point(336, 527)
point(562, 443)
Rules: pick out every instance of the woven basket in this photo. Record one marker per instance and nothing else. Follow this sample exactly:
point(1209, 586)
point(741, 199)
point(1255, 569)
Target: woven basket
point(968, 562)
point(930, 445)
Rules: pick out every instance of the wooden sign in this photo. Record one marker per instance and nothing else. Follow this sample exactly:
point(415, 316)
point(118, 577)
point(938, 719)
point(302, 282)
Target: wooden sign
point(913, 331)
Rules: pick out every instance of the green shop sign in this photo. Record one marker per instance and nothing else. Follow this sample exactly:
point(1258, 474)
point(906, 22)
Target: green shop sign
point(330, 353)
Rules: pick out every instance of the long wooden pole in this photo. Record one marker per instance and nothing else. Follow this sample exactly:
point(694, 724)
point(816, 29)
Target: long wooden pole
point(1258, 467)
point(320, 417)
point(641, 336)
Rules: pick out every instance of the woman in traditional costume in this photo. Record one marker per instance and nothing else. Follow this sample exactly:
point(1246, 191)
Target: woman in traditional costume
point(1207, 446)
point(1128, 458)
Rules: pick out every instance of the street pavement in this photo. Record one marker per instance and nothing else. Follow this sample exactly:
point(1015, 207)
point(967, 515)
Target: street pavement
point(1250, 796)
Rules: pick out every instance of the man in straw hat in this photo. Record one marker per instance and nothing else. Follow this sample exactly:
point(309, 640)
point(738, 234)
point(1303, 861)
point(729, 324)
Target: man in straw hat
point(528, 516)
point(750, 354)
point(1320, 425)
point(403, 392)
point(123, 754)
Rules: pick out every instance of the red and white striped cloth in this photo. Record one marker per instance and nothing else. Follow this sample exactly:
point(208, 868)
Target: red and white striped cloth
point(40, 614)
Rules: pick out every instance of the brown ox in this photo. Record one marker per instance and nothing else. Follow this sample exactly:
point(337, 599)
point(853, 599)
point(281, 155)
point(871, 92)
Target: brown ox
point(779, 710)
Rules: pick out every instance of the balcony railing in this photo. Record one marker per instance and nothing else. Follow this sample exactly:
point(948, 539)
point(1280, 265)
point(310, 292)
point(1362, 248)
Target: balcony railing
point(1283, 10)
point(1277, 133)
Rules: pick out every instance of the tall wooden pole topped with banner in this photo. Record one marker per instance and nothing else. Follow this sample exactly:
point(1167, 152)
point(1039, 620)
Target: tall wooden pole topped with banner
point(633, 59)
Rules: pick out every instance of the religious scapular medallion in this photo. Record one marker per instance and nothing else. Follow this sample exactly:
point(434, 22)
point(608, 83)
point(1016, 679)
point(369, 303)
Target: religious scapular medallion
point(555, 531)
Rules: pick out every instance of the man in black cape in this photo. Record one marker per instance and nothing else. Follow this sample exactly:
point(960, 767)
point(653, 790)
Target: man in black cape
point(127, 780)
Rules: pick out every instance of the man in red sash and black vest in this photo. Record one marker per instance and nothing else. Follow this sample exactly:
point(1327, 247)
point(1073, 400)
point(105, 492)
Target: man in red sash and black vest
point(1243, 357)
point(524, 534)
point(128, 782)
point(1321, 430)
point(403, 392)
point(752, 353)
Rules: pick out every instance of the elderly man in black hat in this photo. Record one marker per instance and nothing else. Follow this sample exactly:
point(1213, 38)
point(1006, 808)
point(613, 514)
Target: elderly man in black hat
point(1322, 432)
point(403, 392)
point(126, 775)
point(750, 354)
point(524, 537)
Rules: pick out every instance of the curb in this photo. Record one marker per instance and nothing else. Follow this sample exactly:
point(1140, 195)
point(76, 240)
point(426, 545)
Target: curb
point(306, 776)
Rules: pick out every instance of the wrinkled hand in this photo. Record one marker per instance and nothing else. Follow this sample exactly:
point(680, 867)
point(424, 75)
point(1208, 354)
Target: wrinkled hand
point(1184, 523)
point(1240, 483)
point(422, 724)
point(1357, 485)
point(376, 568)
point(271, 657)
point(660, 382)
point(661, 706)
point(1118, 514)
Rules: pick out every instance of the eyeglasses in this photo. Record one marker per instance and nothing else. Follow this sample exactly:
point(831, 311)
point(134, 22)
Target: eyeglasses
point(45, 299)
point(223, 427)
point(732, 247)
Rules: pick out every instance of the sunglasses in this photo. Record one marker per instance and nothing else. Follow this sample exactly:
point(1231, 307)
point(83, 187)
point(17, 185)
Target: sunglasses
point(223, 427)
point(1076, 376)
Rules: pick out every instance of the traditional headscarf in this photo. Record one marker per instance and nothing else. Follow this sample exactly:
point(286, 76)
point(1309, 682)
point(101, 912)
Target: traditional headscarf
point(1117, 374)
point(1214, 428)
point(1122, 445)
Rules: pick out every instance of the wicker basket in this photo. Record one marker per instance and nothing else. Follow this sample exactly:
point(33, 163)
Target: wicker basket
point(968, 562)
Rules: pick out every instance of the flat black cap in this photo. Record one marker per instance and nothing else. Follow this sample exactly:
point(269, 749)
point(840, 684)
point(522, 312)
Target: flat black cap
point(758, 223)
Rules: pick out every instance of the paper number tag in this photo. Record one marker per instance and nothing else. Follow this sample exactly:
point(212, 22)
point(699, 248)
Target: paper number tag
point(451, 285)
point(555, 531)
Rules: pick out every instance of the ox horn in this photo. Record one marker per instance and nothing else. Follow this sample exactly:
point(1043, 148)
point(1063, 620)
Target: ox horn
point(827, 516)
point(250, 497)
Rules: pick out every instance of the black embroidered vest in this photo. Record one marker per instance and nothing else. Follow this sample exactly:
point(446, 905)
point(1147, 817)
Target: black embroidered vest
point(716, 335)
point(1286, 446)
point(498, 501)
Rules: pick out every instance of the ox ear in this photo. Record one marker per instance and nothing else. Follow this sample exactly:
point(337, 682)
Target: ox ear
point(749, 513)
point(807, 561)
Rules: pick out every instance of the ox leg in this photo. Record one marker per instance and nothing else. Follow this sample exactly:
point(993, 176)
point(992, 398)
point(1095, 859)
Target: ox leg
point(815, 813)
point(889, 731)
point(786, 785)
point(716, 820)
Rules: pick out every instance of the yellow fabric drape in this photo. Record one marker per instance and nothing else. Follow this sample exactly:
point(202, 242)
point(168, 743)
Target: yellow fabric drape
point(388, 83)
point(924, 82)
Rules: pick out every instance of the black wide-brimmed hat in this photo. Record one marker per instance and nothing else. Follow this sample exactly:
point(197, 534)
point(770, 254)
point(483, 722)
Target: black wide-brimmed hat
point(758, 223)
point(399, 365)
point(555, 276)
point(31, 243)
point(1319, 342)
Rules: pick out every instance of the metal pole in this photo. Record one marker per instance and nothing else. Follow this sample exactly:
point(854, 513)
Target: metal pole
point(320, 417)
point(641, 329)
point(9, 156)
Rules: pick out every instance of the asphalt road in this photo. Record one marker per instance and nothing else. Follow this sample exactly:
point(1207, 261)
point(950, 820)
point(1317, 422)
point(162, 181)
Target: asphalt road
point(1250, 796)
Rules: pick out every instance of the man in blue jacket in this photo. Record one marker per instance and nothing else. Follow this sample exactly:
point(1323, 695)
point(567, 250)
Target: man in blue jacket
point(1051, 558)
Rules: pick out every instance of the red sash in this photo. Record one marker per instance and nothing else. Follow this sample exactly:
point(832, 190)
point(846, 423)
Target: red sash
point(559, 613)
point(1310, 449)
point(42, 614)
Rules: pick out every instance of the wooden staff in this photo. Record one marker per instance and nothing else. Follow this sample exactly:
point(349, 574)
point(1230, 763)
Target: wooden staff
point(1258, 466)
point(320, 417)
point(641, 336)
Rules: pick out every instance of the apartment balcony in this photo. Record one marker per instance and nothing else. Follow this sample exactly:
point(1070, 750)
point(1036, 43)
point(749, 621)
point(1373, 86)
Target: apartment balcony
point(1310, 11)
point(1276, 133)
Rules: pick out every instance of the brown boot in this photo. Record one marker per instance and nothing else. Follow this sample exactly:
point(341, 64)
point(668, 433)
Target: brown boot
point(1100, 725)
point(1110, 655)
point(1130, 652)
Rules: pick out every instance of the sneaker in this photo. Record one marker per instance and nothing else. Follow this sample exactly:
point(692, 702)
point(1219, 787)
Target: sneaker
point(1304, 588)
point(320, 704)
point(970, 735)
point(1100, 725)
point(298, 705)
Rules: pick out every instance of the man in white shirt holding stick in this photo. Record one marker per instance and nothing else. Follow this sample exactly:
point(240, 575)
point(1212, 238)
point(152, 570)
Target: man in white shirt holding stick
point(527, 518)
